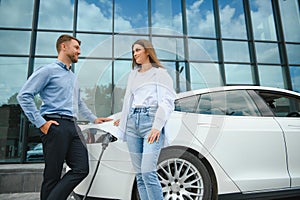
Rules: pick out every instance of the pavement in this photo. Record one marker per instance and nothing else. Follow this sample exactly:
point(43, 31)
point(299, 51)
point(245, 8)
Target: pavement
point(24, 196)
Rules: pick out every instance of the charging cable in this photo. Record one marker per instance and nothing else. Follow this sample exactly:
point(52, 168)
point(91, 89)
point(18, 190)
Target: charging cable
point(105, 140)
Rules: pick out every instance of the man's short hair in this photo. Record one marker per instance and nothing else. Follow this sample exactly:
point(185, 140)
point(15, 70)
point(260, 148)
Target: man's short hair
point(65, 38)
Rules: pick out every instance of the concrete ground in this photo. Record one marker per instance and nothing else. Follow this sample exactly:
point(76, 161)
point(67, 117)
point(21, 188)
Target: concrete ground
point(24, 196)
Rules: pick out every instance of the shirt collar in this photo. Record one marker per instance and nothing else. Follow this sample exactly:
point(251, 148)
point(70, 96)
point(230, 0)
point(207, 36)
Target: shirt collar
point(63, 65)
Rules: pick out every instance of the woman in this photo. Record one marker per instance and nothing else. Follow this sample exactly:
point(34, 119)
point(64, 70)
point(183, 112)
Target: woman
point(148, 103)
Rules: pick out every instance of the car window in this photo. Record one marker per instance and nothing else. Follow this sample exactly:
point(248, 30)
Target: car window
point(281, 104)
point(187, 104)
point(235, 103)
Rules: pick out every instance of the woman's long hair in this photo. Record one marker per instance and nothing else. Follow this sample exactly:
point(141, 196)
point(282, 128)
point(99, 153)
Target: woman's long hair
point(148, 49)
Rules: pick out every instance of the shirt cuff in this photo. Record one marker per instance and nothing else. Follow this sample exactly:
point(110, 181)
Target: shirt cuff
point(39, 122)
point(158, 124)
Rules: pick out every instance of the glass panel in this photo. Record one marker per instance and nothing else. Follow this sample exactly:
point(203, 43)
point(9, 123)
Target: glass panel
point(123, 45)
point(188, 104)
point(290, 19)
point(205, 75)
point(168, 48)
point(95, 45)
point(12, 77)
point(262, 20)
point(122, 69)
point(236, 51)
point(14, 42)
point(46, 43)
point(238, 74)
point(95, 78)
point(200, 18)
point(56, 14)
point(38, 62)
point(166, 14)
point(177, 73)
point(293, 53)
point(270, 76)
point(10, 150)
point(204, 50)
point(16, 14)
point(130, 17)
point(267, 53)
point(282, 105)
point(94, 15)
point(234, 103)
point(232, 19)
point(295, 76)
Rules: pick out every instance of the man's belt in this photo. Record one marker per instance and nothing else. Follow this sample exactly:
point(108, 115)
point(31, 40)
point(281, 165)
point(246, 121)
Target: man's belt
point(58, 116)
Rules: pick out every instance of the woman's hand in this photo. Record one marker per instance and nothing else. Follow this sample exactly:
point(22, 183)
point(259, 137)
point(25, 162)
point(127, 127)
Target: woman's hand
point(153, 136)
point(117, 122)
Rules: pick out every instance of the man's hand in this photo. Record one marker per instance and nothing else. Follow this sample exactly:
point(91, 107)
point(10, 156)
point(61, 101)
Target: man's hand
point(153, 136)
point(101, 120)
point(45, 127)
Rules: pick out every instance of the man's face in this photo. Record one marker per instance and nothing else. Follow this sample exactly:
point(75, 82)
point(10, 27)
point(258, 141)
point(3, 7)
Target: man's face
point(72, 50)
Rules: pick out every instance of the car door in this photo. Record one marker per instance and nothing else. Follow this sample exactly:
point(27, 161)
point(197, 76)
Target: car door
point(248, 146)
point(287, 111)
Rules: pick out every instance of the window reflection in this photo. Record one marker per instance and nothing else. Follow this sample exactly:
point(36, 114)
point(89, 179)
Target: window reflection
point(95, 45)
point(232, 19)
point(204, 50)
point(238, 74)
point(205, 75)
point(14, 42)
point(270, 76)
point(95, 79)
point(236, 51)
point(17, 13)
point(46, 43)
point(290, 19)
point(267, 52)
point(200, 18)
point(94, 16)
point(12, 77)
point(177, 72)
point(295, 76)
point(262, 19)
point(131, 17)
point(168, 48)
point(56, 14)
point(166, 14)
point(122, 70)
point(293, 53)
point(122, 48)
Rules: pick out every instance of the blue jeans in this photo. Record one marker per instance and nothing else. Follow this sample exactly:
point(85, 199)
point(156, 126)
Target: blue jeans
point(144, 156)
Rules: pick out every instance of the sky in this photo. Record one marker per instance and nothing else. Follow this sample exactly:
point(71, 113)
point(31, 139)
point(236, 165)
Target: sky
point(96, 15)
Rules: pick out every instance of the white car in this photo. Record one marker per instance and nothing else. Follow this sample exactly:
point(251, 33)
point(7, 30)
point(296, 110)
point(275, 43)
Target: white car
point(232, 142)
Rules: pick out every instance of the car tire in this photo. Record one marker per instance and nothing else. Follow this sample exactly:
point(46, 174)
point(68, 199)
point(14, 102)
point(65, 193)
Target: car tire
point(183, 176)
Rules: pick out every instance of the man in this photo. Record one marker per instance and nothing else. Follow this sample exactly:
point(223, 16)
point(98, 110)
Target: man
point(61, 137)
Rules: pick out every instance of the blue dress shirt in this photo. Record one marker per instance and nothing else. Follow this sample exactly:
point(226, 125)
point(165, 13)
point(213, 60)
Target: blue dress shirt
point(59, 91)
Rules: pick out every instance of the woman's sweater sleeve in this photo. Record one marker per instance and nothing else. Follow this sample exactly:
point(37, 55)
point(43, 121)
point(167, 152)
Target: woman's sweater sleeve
point(166, 97)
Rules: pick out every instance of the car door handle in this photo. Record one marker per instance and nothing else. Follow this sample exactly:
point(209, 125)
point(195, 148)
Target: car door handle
point(293, 126)
point(207, 125)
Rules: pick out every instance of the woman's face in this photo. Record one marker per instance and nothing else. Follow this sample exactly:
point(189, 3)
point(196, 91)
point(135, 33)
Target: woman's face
point(140, 55)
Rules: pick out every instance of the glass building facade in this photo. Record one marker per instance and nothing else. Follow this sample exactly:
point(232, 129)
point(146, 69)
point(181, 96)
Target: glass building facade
point(202, 43)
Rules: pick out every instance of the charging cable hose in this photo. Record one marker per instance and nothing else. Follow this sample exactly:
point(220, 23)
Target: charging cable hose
point(107, 138)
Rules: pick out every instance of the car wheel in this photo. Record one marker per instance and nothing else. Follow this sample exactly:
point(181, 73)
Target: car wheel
point(183, 176)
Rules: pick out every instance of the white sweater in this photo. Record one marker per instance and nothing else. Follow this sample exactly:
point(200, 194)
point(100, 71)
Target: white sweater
point(154, 80)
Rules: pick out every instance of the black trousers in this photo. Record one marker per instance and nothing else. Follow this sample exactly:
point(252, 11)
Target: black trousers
point(63, 143)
